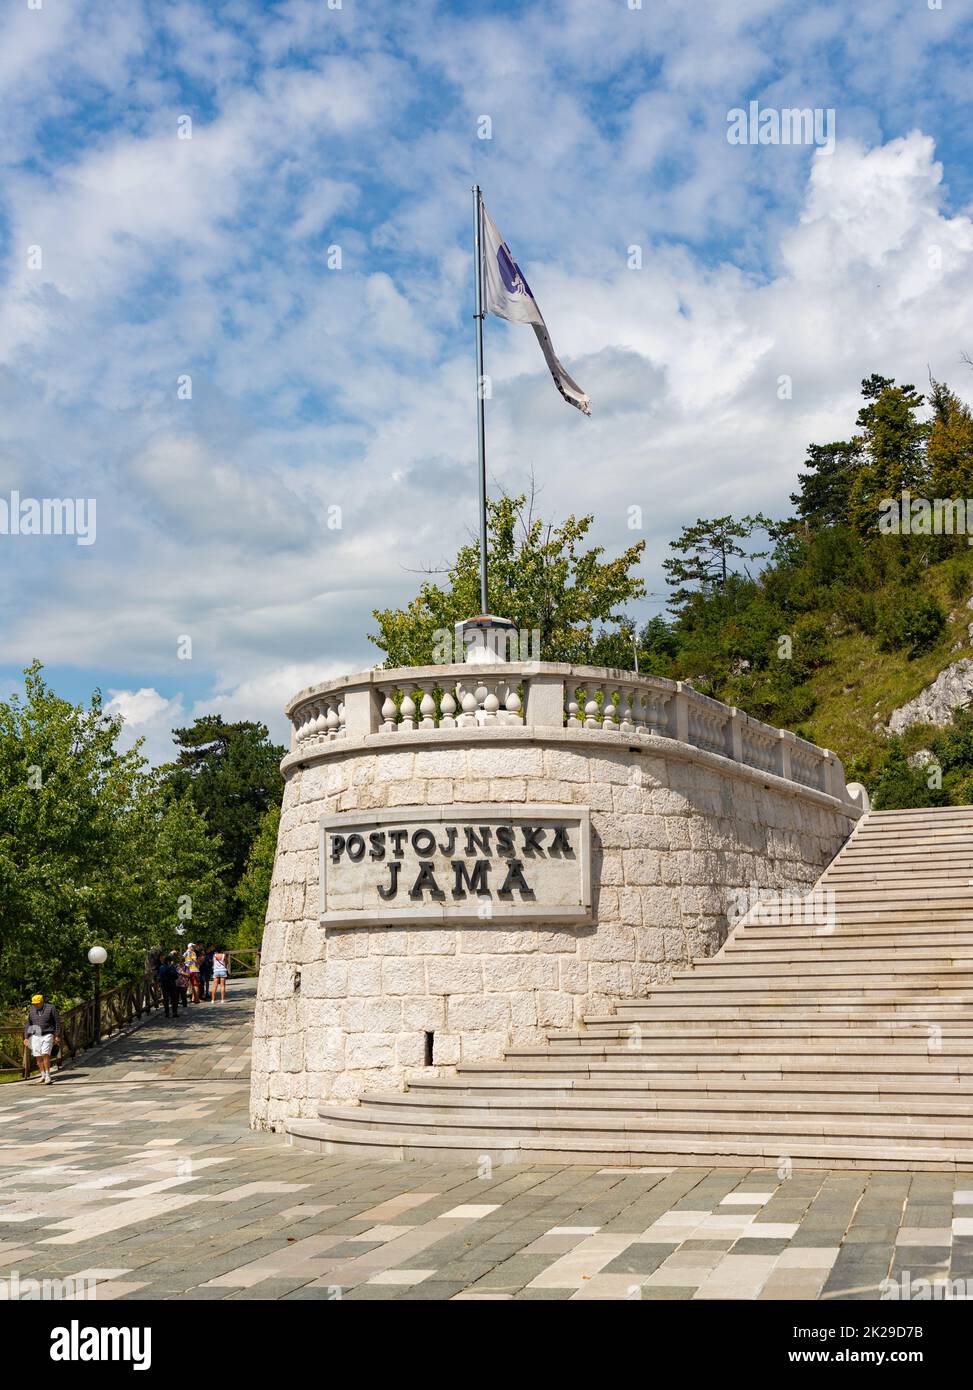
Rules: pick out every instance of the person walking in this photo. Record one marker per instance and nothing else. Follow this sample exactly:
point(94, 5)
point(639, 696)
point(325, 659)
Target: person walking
point(206, 971)
point(169, 984)
point(192, 970)
point(221, 971)
point(182, 979)
point(42, 1032)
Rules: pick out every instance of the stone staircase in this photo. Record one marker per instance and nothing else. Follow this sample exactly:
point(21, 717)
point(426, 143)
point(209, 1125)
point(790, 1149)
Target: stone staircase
point(848, 1044)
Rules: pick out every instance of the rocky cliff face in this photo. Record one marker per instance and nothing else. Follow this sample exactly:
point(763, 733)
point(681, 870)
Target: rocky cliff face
point(952, 689)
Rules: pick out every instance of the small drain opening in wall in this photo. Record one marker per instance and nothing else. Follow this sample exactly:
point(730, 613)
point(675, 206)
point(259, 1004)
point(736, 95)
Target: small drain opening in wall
point(428, 1049)
point(297, 982)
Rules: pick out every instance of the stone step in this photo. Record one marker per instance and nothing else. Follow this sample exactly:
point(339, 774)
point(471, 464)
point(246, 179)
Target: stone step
point(630, 1150)
point(826, 990)
point(611, 1026)
point(861, 1086)
point(856, 894)
point(868, 920)
point(744, 1052)
point(923, 867)
point(742, 1049)
point(931, 1011)
point(846, 1043)
point(812, 952)
point(753, 1103)
point(957, 1069)
point(711, 1007)
point(755, 1032)
point(956, 983)
point(953, 839)
point(593, 1125)
point(729, 966)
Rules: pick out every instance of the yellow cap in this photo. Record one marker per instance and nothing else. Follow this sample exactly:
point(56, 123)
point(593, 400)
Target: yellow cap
point(37, 999)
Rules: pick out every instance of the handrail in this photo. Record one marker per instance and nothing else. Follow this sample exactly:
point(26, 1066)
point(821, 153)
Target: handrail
point(248, 957)
point(117, 1008)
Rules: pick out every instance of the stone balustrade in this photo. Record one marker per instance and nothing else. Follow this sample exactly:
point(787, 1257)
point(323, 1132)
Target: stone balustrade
point(396, 704)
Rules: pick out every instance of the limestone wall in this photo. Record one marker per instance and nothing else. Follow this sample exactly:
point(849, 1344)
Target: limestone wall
point(342, 1010)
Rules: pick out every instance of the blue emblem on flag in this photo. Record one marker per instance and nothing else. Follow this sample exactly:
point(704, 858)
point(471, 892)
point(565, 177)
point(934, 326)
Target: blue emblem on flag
point(511, 273)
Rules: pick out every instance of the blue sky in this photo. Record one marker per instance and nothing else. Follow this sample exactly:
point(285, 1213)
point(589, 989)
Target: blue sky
point(358, 127)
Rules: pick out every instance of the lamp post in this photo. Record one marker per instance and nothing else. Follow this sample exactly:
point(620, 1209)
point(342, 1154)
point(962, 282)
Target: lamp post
point(97, 957)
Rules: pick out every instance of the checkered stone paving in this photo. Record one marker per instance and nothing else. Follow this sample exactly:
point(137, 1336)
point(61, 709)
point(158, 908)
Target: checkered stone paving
point(150, 1182)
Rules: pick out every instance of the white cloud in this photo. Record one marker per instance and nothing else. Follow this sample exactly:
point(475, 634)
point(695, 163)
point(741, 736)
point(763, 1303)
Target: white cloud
point(354, 388)
point(148, 716)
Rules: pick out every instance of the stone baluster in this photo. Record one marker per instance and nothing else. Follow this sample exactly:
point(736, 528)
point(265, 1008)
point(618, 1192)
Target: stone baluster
point(408, 711)
point(427, 706)
point(626, 710)
point(332, 720)
point(573, 711)
point(388, 724)
point(591, 720)
point(467, 698)
point(609, 721)
point(447, 709)
point(512, 707)
point(652, 712)
point(489, 702)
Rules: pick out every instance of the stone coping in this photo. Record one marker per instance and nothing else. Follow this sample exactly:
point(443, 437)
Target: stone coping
point(653, 745)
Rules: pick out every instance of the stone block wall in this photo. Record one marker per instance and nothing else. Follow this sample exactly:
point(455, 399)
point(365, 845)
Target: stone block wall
point(343, 1010)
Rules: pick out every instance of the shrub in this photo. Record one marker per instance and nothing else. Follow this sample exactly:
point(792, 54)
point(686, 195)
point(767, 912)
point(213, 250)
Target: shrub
point(910, 622)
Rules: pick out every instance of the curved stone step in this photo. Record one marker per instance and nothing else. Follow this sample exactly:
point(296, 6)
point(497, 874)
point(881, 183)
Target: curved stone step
point(587, 1124)
point(905, 1106)
point(347, 1141)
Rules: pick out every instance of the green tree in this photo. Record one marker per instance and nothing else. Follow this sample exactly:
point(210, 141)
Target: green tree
point(705, 553)
point(892, 445)
point(90, 849)
point(232, 774)
point(824, 491)
point(949, 452)
point(253, 890)
point(542, 576)
point(180, 877)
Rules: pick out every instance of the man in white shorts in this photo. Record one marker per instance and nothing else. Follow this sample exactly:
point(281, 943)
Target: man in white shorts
point(42, 1030)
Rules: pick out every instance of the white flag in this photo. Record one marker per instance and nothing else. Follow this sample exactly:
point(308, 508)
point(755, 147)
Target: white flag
point(508, 295)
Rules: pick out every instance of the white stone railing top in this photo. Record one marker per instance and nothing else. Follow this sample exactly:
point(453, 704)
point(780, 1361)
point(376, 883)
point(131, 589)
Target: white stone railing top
point(399, 702)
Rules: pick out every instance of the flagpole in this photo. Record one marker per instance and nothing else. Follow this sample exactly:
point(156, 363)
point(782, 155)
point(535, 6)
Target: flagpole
point(480, 421)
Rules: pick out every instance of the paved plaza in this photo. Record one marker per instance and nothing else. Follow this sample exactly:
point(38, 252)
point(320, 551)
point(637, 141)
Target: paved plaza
point(137, 1169)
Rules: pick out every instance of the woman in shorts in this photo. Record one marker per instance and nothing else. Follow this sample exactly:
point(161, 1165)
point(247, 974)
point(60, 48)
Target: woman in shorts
point(221, 970)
